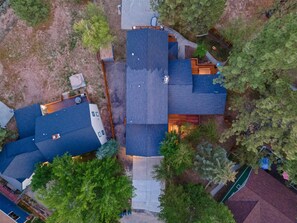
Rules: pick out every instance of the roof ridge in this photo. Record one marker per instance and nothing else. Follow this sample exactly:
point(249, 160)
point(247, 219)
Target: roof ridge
point(266, 200)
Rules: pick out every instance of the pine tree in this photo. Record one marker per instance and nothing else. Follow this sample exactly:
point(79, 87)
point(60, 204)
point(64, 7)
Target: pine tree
point(212, 164)
point(195, 16)
point(108, 149)
point(262, 74)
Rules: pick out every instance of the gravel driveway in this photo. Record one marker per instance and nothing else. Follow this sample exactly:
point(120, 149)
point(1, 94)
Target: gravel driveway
point(116, 77)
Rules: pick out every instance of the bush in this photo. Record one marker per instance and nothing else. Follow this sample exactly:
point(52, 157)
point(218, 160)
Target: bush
point(200, 51)
point(32, 11)
point(109, 149)
point(3, 136)
point(94, 29)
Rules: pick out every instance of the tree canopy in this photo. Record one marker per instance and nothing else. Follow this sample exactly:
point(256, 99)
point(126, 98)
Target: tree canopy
point(177, 157)
point(92, 191)
point(191, 204)
point(195, 16)
point(212, 163)
point(42, 175)
point(263, 75)
point(94, 28)
point(32, 11)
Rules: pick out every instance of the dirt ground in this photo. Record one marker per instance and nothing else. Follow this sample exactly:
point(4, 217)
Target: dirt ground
point(36, 63)
point(244, 9)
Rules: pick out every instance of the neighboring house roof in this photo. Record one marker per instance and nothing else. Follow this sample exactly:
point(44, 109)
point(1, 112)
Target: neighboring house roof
point(263, 200)
point(73, 124)
point(25, 119)
point(76, 135)
point(18, 159)
point(144, 140)
point(193, 94)
point(7, 206)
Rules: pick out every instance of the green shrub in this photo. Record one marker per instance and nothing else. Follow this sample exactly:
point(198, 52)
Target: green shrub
point(3, 136)
point(94, 29)
point(200, 51)
point(32, 11)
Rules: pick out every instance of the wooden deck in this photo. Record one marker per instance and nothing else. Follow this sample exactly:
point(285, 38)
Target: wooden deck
point(176, 121)
point(203, 69)
point(171, 38)
point(63, 103)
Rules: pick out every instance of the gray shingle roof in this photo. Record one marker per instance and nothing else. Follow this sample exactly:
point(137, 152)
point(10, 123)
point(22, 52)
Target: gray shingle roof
point(18, 158)
point(147, 63)
point(193, 94)
point(25, 119)
point(144, 140)
point(76, 132)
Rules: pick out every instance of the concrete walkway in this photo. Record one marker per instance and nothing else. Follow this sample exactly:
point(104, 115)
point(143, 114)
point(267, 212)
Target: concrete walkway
point(183, 42)
point(147, 189)
point(144, 217)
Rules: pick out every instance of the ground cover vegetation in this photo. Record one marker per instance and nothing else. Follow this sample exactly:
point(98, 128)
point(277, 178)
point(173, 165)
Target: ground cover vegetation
point(32, 11)
point(78, 192)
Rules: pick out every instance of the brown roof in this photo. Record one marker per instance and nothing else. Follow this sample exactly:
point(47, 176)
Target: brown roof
point(263, 200)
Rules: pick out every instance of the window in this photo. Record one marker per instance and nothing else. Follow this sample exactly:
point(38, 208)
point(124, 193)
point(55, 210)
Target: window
point(13, 215)
point(99, 134)
point(103, 132)
point(93, 114)
point(97, 114)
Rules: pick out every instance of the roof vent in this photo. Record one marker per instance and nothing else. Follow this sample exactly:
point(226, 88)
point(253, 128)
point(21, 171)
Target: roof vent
point(77, 100)
point(166, 79)
point(56, 136)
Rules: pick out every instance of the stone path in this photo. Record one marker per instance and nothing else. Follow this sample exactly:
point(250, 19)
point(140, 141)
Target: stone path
point(183, 42)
